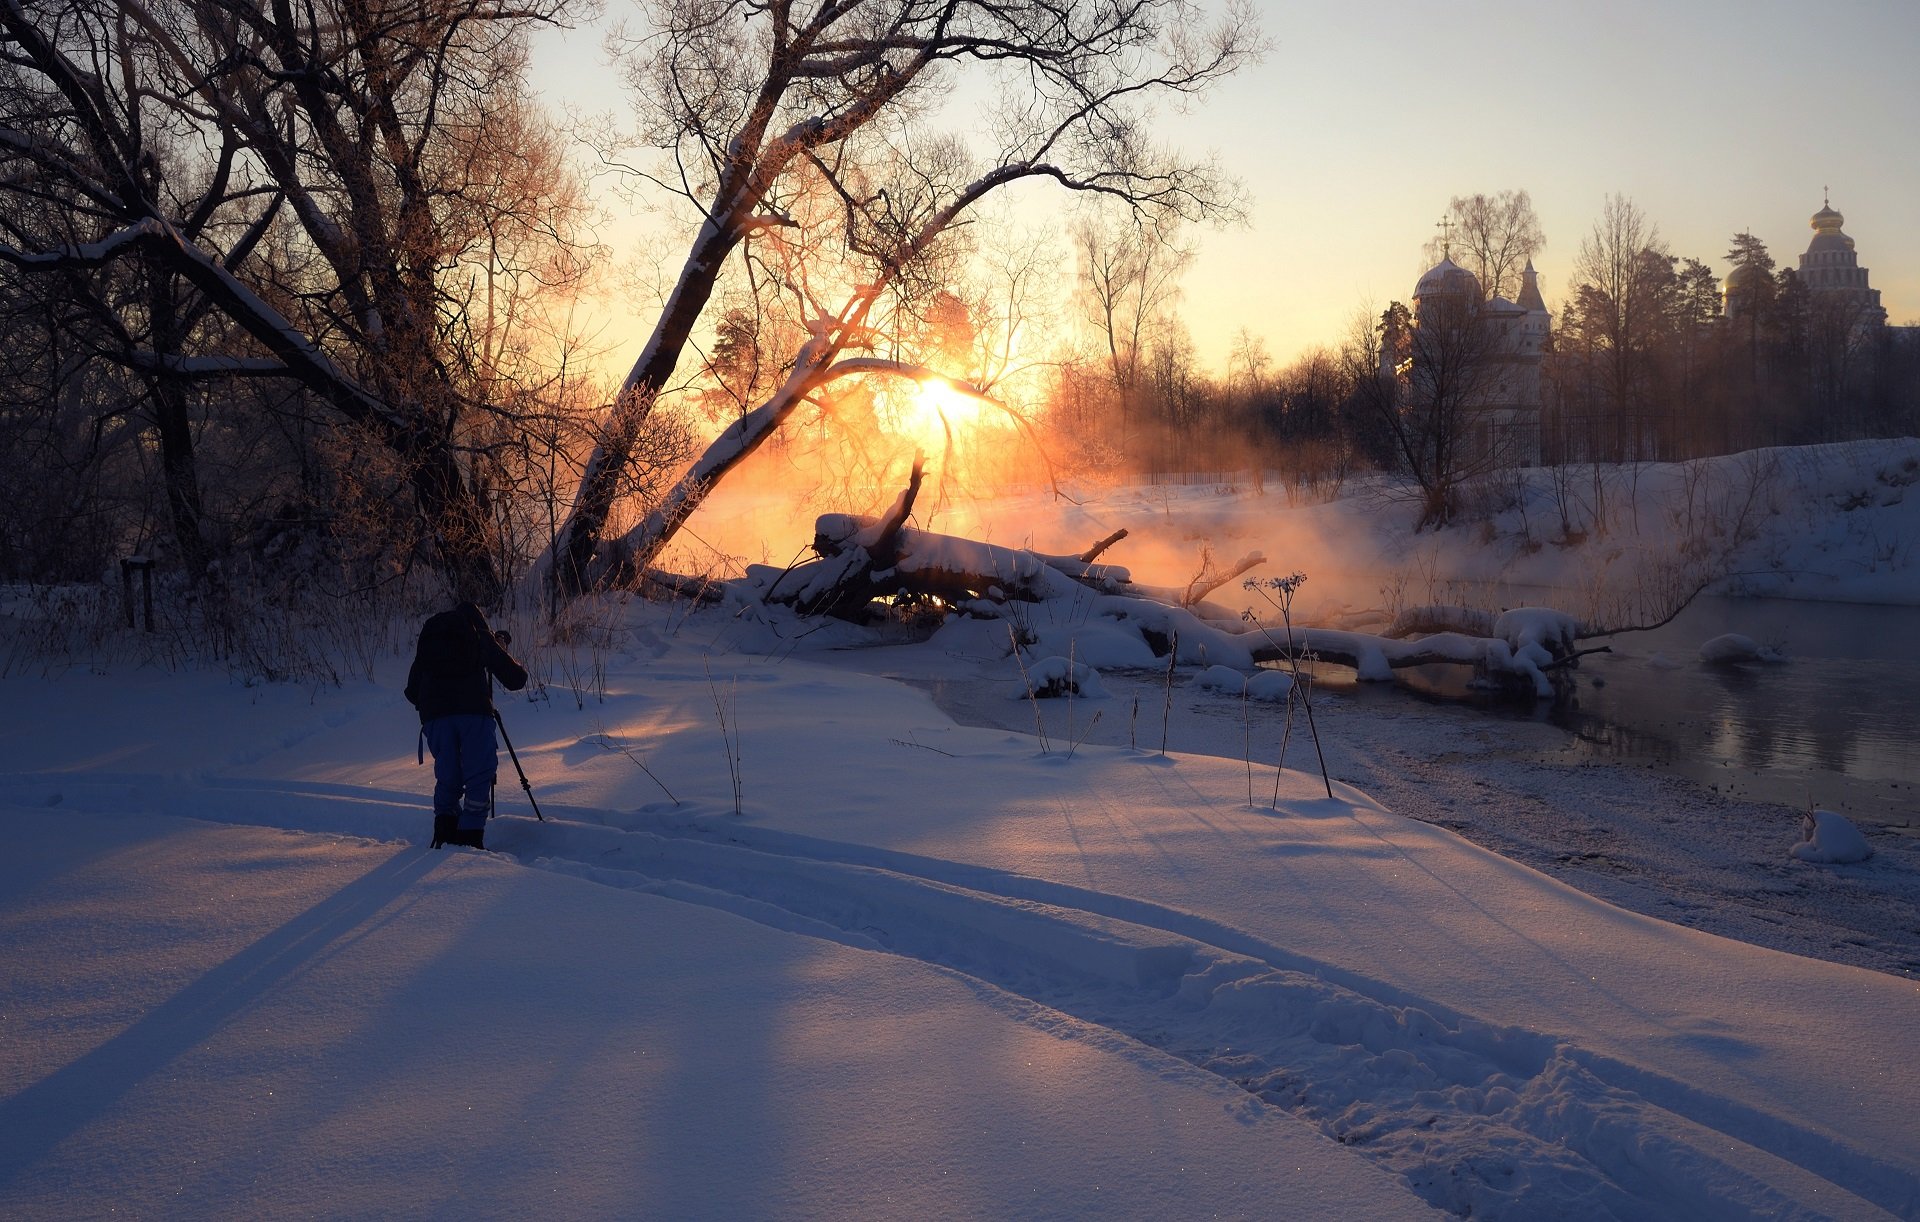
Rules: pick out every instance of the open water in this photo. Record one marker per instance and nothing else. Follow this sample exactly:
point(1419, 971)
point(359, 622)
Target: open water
point(1836, 725)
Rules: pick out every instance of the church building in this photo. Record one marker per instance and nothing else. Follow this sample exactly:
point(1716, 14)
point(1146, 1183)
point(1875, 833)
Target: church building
point(1494, 381)
point(1830, 269)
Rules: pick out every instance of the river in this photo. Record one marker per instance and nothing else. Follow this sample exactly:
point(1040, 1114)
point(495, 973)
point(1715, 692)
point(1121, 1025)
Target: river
point(1835, 724)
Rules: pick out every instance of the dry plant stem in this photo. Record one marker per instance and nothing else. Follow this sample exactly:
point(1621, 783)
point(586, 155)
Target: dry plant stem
point(1286, 737)
point(1306, 694)
point(1286, 586)
point(1246, 723)
point(1072, 689)
point(1306, 702)
point(1083, 737)
point(1166, 711)
point(723, 710)
point(1133, 723)
point(1039, 724)
point(903, 742)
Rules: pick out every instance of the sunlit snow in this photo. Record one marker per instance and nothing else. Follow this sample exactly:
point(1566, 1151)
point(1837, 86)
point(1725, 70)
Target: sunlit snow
point(936, 965)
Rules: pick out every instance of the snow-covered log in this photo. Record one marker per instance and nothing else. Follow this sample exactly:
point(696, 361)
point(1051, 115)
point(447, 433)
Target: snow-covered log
point(863, 558)
point(1524, 648)
point(854, 569)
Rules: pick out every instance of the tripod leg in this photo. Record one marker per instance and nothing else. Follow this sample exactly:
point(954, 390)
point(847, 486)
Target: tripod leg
point(515, 757)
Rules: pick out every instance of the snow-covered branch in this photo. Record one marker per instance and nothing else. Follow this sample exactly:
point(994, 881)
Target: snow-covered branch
point(297, 354)
point(199, 367)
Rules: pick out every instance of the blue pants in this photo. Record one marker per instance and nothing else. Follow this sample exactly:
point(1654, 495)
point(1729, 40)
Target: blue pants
point(464, 763)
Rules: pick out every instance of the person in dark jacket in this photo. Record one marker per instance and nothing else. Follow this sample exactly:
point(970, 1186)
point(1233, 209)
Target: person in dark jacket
point(451, 684)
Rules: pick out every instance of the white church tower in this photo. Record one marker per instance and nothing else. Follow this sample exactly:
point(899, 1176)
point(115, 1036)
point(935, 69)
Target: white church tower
point(1831, 267)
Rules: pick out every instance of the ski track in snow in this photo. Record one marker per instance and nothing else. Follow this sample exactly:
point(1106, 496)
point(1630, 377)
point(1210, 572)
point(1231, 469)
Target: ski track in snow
point(1476, 1119)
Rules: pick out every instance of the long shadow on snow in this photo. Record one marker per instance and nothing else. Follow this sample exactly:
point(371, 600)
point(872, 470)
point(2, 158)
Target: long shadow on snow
point(1153, 975)
point(37, 1119)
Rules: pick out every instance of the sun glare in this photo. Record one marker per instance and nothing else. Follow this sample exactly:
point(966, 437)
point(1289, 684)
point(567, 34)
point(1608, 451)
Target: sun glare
point(938, 406)
point(962, 435)
point(932, 412)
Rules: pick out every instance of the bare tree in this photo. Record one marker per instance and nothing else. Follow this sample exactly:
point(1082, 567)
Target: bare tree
point(1492, 236)
point(1247, 364)
point(755, 106)
point(1303, 409)
point(83, 155)
point(1013, 298)
point(366, 143)
point(1617, 281)
point(1129, 277)
point(1840, 330)
point(1177, 391)
point(1426, 381)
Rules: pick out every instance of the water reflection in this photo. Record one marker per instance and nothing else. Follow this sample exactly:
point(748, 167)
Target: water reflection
point(1834, 725)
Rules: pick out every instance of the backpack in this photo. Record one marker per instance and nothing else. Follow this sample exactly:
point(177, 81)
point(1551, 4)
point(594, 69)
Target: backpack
point(449, 668)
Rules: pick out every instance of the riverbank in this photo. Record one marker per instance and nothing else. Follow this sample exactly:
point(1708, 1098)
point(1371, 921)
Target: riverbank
point(1647, 841)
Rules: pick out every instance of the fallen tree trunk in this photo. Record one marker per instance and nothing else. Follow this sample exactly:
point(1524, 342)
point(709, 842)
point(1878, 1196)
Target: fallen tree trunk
point(1524, 648)
point(864, 559)
point(864, 564)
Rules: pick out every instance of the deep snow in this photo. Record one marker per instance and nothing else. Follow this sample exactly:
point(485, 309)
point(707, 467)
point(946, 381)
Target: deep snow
point(929, 968)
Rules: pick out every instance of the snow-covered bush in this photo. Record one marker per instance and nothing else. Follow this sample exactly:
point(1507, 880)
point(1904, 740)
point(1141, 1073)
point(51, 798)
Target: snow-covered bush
point(1223, 679)
point(1273, 686)
point(1056, 676)
point(1830, 839)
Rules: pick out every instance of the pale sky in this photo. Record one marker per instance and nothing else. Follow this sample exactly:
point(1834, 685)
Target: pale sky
point(1366, 117)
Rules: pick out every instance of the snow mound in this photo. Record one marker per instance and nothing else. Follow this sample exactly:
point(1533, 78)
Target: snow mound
point(1830, 839)
point(1099, 642)
point(1268, 685)
point(1221, 679)
point(1056, 676)
point(1732, 647)
point(1273, 686)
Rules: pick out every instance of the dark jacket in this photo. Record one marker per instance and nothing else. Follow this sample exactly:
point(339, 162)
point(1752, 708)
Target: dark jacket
point(457, 652)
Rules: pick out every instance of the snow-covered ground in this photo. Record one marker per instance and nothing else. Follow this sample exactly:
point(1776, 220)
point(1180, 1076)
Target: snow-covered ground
point(927, 966)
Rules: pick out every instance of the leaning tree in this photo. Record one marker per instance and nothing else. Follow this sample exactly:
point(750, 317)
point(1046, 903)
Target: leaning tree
point(756, 108)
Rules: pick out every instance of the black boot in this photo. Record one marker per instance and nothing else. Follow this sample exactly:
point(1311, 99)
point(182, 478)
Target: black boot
point(471, 838)
point(445, 828)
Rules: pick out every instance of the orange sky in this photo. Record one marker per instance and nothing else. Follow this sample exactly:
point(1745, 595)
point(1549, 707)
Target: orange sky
point(1363, 120)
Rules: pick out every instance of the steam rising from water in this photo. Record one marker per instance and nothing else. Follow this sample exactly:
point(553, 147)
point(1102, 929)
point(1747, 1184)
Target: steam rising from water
point(1660, 531)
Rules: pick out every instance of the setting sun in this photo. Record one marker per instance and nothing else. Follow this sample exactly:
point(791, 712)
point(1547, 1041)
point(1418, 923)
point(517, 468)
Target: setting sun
point(936, 409)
